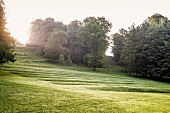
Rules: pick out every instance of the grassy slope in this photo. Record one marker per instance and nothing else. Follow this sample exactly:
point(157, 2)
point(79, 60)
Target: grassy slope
point(31, 84)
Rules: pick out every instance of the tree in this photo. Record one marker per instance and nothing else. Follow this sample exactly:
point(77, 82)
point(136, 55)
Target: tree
point(56, 45)
point(94, 32)
point(69, 61)
point(6, 41)
point(61, 59)
point(41, 31)
point(118, 40)
point(157, 48)
point(141, 56)
point(36, 33)
point(129, 52)
point(75, 43)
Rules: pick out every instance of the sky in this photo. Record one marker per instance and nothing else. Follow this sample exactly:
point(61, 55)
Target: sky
point(122, 13)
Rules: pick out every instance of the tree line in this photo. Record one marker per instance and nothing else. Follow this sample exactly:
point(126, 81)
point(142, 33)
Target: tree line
point(144, 50)
point(79, 42)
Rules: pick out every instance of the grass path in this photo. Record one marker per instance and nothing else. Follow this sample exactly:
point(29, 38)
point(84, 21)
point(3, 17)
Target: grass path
point(34, 85)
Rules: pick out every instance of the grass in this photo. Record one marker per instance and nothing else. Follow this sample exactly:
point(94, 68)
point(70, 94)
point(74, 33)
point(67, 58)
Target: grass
point(32, 84)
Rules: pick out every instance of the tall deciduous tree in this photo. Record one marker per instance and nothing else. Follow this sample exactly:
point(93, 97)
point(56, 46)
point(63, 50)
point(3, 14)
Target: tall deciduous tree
point(6, 41)
point(75, 42)
point(94, 32)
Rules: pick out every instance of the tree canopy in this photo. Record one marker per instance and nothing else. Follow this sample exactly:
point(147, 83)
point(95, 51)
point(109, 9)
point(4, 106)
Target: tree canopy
point(145, 49)
point(56, 45)
point(74, 41)
point(142, 49)
point(94, 32)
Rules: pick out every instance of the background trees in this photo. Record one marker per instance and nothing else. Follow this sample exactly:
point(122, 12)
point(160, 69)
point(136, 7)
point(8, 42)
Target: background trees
point(142, 49)
point(6, 41)
point(76, 42)
point(145, 48)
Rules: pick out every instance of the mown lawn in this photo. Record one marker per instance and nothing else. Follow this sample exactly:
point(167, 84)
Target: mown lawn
point(32, 84)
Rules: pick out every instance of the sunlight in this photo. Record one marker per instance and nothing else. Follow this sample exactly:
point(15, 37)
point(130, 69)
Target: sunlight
point(18, 34)
point(21, 13)
point(22, 40)
point(18, 27)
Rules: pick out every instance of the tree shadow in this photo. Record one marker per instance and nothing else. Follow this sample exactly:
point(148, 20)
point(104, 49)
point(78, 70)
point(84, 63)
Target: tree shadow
point(130, 89)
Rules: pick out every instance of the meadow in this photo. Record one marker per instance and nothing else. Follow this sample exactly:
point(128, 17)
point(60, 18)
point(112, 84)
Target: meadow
point(33, 84)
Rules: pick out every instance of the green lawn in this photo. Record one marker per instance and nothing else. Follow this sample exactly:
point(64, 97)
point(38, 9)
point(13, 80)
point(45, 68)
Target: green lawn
point(32, 84)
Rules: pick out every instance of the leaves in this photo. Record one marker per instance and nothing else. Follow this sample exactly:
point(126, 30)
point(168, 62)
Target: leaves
point(146, 48)
point(75, 41)
point(55, 45)
point(94, 32)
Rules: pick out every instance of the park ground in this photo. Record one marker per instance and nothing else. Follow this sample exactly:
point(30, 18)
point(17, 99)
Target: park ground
point(33, 84)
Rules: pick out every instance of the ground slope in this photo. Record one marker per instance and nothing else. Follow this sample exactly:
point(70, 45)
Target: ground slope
point(32, 84)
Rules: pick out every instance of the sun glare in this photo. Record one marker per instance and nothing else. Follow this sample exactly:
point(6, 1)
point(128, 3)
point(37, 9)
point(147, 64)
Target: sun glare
point(18, 34)
point(22, 40)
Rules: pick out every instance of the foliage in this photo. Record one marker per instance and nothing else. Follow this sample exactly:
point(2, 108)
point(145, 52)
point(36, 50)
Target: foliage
point(41, 31)
point(94, 32)
point(6, 41)
point(56, 45)
point(145, 49)
point(75, 42)
point(69, 61)
point(128, 54)
point(61, 59)
point(87, 37)
point(118, 40)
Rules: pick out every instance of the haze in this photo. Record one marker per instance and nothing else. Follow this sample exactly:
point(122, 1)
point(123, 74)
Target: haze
point(122, 13)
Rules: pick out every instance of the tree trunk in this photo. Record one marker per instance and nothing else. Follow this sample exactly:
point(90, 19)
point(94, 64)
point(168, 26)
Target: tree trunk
point(94, 68)
point(130, 73)
point(126, 71)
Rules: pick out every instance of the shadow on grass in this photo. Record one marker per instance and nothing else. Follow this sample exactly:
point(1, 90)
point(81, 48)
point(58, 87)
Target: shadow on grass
point(129, 89)
point(159, 79)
